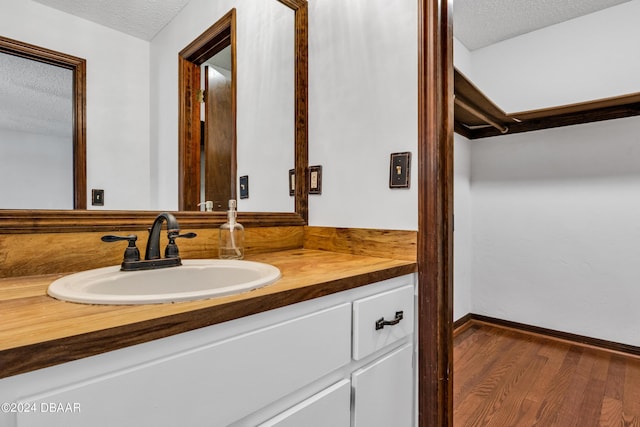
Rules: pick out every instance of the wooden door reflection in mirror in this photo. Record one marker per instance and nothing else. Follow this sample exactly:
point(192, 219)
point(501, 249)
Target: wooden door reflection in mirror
point(213, 41)
point(218, 141)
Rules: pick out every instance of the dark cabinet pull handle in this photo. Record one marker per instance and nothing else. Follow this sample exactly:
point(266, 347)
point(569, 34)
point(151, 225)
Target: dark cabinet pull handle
point(381, 323)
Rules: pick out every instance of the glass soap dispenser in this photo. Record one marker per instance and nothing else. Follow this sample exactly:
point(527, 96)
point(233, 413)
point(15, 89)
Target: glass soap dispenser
point(231, 244)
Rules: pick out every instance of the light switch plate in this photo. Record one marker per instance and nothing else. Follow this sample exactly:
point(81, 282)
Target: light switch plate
point(315, 179)
point(292, 182)
point(97, 197)
point(399, 170)
point(244, 187)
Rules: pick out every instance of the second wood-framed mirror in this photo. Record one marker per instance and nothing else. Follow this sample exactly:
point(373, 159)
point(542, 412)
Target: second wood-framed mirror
point(43, 126)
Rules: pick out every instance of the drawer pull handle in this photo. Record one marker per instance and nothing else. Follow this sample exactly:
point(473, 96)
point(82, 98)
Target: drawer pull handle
point(381, 323)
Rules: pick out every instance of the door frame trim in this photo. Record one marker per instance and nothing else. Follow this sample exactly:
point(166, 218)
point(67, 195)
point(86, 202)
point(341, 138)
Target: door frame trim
point(435, 213)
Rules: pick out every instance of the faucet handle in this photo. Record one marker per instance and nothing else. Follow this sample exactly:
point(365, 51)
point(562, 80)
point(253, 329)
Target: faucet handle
point(171, 251)
point(186, 235)
point(111, 238)
point(131, 253)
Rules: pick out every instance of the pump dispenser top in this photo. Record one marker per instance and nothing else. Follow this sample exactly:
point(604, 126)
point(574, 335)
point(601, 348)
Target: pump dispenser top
point(208, 205)
point(231, 244)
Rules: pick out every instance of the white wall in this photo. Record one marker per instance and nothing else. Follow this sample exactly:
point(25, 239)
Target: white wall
point(265, 99)
point(363, 107)
point(556, 230)
point(462, 237)
point(45, 181)
point(462, 255)
point(117, 95)
point(462, 58)
point(591, 57)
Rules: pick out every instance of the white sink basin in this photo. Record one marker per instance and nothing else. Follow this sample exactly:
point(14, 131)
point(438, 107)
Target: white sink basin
point(194, 280)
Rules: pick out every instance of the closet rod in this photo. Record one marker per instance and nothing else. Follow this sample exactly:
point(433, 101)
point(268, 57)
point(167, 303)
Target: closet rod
point(480, 115)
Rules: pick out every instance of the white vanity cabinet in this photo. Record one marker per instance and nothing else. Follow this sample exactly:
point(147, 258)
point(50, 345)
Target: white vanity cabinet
point(315, 363)
point(383, 391)
point(331, 407)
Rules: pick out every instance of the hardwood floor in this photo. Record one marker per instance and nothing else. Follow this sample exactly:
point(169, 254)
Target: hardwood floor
point(504, 377)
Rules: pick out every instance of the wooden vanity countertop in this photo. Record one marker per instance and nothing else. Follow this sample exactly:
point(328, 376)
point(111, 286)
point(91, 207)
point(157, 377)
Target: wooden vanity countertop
point(37, 331)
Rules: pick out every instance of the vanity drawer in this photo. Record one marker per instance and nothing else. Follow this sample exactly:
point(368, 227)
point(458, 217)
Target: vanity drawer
point(382, 319)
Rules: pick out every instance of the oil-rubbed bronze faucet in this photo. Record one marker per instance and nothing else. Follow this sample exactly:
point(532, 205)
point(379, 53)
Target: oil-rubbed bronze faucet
point(152, 260)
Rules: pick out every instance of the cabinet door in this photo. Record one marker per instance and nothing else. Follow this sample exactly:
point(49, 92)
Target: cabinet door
point(383, 391)
point(211, 385)
point(330, 407)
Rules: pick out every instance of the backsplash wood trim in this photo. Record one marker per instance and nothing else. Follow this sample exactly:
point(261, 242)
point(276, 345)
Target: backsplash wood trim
point(394, 244)
point(59, 249)
point(49, 253)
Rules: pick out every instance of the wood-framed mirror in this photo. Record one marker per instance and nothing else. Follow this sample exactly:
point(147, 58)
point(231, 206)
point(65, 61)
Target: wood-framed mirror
point(37, 69)
point(39, 221)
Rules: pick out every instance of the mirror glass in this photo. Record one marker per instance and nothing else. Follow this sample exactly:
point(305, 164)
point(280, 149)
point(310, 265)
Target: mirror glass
point(42, 128)
point(36, 137)
point(248, 116)
point(266, 122)
point(132, 150)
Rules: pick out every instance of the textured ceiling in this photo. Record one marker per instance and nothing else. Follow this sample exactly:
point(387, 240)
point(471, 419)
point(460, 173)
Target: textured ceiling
point(480, 23)
point(139, 18)
point(35, 97)
point(477, 23)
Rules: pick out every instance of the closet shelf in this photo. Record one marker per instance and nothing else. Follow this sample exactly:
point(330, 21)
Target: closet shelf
point(476, 116)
